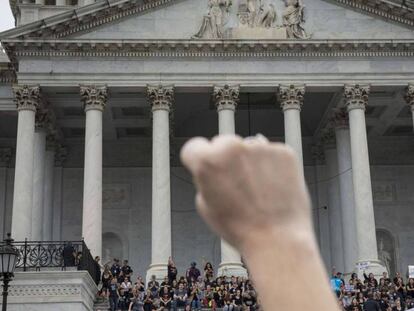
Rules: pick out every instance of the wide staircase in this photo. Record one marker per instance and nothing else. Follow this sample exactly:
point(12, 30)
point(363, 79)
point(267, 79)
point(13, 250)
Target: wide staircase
point(101, 305)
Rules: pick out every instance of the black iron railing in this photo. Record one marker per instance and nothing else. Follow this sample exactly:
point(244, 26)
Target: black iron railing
point(37, 256)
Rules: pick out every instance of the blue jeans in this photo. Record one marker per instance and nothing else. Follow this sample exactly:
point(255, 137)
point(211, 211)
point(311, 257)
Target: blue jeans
point(113, 303)
point(195, 304)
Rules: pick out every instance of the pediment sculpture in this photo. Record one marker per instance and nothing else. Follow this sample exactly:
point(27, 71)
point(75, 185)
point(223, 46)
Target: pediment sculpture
point(255, 20)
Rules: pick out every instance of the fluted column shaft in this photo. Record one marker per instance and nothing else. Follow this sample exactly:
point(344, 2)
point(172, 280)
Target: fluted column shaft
point(5, 157)
point(38, 182)
point(356, 100)
point(226, 99)
point(161, 100)
point(343, 144)
point(48, 193)
point(291, 100)
point(27, 100)
point(334, 205)
point(94, 99)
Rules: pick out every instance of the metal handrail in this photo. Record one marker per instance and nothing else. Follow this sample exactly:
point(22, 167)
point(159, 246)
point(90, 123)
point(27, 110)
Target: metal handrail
point(43, 255)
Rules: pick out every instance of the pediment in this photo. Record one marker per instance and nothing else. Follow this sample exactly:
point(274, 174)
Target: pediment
point(193, 19)
point(233, 20)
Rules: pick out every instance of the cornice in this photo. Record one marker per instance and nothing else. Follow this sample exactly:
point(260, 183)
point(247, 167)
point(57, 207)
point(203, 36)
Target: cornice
point(387, 10)
point(209, 48)
point(86, 18)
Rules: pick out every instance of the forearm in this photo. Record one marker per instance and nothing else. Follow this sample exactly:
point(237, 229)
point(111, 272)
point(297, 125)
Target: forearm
point(281, 263)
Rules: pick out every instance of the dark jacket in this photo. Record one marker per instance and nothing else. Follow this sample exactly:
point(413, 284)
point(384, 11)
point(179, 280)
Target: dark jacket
point(371, 305)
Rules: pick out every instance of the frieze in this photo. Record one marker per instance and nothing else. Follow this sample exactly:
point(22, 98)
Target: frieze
point(208, 48)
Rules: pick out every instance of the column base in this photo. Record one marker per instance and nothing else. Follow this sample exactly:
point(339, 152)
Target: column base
point(232, 269)
point(159, 270)
point(370, 266)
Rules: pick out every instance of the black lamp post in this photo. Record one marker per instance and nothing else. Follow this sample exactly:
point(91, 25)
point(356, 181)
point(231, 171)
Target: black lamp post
point(8, 260)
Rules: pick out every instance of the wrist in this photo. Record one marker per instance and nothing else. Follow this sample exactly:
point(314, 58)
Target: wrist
point(298, 237)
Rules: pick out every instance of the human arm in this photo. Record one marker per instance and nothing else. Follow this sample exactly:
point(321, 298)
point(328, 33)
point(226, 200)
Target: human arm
point(253, 195)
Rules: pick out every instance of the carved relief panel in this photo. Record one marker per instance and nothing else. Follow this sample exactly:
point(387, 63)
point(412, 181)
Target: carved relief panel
point(256, 19)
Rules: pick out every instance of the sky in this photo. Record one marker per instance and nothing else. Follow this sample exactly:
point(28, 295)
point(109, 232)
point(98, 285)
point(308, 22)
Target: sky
point(6, 16)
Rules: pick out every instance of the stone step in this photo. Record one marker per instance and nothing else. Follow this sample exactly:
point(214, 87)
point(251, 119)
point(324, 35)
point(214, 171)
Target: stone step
point(102, 306)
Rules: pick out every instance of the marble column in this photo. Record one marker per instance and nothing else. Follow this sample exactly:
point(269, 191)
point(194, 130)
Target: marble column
point(39, 172)
point(5, 156)
point(343, 145)
point(60, 157)
point(60, 2)
point(321, 209)
point(291, 100)
point(48, 189)
point(27, 99)
point(226, 99)
point(94, 100)
point(161, 100)
point(356, 98)
point(334, 205)
point(409, 97)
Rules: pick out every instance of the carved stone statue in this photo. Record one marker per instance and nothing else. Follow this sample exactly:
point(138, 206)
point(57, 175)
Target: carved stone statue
point(293, 19)
point(384, 256)
point(268, 18)
point(213, 22)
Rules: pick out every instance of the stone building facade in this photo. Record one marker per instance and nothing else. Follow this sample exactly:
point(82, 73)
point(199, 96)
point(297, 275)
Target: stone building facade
point(96, 99)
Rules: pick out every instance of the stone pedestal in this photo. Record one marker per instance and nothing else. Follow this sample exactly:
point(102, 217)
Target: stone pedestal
point(51, 291)
point(161, 100)
point(94, 99)
point(259, 33)
point(27, 100)
point(356, 100)
point(227, 98)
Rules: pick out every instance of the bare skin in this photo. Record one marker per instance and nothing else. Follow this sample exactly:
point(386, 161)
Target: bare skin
point(252, 194)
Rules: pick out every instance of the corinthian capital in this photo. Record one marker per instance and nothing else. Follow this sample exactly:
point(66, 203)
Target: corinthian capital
point(42, 120)
point(160, 97)
point(291, 96)
point(94, 97)
point(409, 95)
point(226, 97)
point(340, 118)
point(26, 97)
point(356, 96)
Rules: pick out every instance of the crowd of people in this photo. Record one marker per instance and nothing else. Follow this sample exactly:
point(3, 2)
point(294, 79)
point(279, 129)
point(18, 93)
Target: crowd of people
point(195, 290)
point(371, 294)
